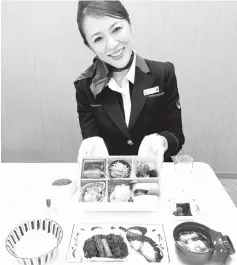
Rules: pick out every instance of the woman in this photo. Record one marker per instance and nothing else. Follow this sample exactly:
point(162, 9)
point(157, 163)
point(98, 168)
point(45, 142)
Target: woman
point(127, 105)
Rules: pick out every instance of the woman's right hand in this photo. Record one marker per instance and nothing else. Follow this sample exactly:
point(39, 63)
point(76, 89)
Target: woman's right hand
point(92, 146)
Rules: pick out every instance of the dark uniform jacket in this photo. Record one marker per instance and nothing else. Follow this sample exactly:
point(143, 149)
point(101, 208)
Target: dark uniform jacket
point(159, 112)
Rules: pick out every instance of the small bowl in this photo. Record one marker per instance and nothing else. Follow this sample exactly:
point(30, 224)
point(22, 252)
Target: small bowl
point(124, 162)
point(190, 257)
point(63, 187)
point(51, 229)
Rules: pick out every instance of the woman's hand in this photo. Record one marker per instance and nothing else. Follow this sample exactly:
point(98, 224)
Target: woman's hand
point(154, 145)
point(93, 146)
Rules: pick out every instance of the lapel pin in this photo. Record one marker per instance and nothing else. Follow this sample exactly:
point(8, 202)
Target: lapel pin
point(178, 104)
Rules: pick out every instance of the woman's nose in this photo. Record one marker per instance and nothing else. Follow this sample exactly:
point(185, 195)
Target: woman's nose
point(111, 44)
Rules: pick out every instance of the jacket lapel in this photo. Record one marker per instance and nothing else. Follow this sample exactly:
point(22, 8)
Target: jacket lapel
point(142, 81)
point(113, 110)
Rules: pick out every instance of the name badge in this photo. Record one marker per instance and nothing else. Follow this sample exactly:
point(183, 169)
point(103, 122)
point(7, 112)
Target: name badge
point(150, 91)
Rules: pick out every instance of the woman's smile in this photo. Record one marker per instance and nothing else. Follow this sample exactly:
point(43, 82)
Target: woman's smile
point(118, 54)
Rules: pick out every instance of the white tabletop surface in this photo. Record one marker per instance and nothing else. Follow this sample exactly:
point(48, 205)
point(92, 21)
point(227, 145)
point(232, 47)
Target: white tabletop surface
point(24, 188)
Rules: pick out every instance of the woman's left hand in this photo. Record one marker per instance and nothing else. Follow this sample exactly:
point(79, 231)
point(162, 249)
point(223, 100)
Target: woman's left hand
point(154, 145)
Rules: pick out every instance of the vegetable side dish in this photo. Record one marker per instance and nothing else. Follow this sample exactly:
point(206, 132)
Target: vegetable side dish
point(146, 169)
point(119, 169)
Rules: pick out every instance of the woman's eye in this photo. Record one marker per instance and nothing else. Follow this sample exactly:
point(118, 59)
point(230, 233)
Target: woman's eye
point(117, 29)
point(98, 39)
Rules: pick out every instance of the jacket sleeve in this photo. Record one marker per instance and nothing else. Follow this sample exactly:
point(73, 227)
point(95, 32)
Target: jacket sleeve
point(173, 121)
point(86, 119)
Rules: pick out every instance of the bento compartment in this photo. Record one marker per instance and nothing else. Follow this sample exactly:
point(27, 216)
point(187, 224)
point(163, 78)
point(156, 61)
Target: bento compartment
point(145, 167)
point(93, 191)
point(136, 191)
point(146, 191)
point(120, 190)
point(93, 168)
point(119, 167)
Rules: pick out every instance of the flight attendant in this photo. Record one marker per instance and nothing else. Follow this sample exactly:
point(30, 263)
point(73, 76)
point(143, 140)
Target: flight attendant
point(127, 105)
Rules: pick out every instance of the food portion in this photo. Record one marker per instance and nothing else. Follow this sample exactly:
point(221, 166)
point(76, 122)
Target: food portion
point(109, 246)
point(61, 182)
point(146, 169)
point(110, 243)
point(185, 207)
point(119, 169)
point(194, 242)
point(132, 191)
point(182, 209)
point(145, 245)
point(35, 243)
point(121, 193)
point(93, 192)
point(93, 169)
point(123, 179)
point(146, 193)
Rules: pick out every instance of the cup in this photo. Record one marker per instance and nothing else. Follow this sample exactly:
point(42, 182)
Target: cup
point(183, 171)
point(183, 164)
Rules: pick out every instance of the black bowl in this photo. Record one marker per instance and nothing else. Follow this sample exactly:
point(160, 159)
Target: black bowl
point(194, 258)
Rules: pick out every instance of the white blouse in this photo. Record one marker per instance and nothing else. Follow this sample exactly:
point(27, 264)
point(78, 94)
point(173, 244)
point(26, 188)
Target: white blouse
point(124, 90)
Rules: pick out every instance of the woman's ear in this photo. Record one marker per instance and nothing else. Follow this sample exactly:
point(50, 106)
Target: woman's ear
point(131, 27)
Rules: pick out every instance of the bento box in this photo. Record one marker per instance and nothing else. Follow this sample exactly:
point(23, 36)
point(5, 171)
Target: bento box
point(119, 183)
point(118, 243)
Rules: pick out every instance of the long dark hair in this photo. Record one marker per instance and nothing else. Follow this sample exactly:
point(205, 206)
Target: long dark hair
point(99, 8)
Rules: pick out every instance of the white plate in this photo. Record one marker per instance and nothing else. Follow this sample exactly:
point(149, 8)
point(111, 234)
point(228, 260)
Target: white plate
point(154, 232)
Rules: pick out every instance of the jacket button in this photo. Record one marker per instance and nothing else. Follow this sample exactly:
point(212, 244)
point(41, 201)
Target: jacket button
point(129, 142)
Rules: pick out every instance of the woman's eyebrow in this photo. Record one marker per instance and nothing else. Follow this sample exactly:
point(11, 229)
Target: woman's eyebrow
point(100, 32)
point(113, 25)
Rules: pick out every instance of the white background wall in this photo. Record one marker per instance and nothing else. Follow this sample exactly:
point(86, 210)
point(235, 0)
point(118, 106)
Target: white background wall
point(42, 53)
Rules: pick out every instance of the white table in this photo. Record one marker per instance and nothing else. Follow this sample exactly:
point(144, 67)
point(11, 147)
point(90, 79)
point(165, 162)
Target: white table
point(23, 192)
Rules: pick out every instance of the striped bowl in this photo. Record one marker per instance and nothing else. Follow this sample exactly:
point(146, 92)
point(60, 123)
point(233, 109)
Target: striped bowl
point(18, 232)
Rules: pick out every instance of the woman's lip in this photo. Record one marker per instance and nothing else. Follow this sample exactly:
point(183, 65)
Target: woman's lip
point(116, 52)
